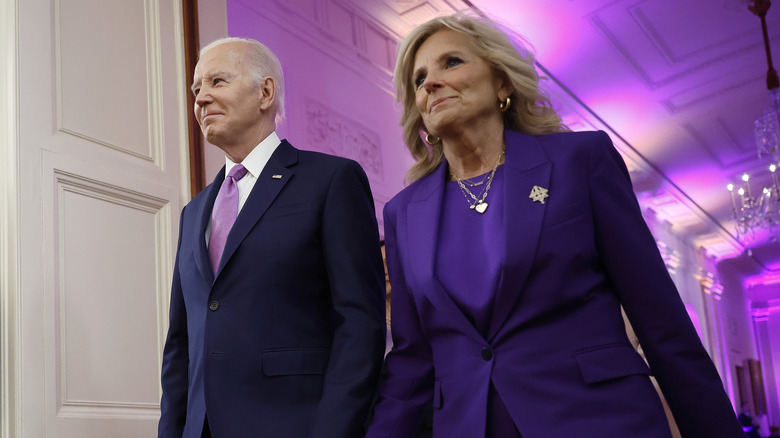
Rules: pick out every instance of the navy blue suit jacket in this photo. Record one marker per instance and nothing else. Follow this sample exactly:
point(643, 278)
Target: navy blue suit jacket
point(287, 339)
point(556, 350)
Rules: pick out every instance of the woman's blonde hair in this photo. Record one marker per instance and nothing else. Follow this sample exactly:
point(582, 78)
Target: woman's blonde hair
point(530, 112)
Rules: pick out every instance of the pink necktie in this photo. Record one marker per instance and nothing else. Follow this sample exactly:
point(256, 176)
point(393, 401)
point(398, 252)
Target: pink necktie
point(223, 215)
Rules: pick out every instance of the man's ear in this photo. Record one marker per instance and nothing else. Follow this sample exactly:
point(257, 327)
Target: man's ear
point(267, 93)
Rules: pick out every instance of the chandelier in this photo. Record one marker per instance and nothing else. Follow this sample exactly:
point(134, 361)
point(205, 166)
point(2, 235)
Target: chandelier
point(758, 217)
point(767, 126)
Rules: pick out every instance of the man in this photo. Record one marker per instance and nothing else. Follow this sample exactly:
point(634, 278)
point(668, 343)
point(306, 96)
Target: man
point(277, 320)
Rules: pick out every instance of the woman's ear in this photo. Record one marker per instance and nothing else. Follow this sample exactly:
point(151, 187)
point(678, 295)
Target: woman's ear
point(505, 88)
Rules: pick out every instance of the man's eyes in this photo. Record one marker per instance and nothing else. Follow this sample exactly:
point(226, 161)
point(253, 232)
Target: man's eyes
point(214, 82)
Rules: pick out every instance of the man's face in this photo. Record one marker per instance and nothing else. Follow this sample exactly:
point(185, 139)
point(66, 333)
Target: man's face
point(227, 101)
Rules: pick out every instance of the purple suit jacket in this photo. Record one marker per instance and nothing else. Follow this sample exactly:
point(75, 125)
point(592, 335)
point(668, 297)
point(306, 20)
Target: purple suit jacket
point(556, 349)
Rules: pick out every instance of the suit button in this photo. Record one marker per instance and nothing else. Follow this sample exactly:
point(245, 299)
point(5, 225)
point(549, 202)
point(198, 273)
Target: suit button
point(214, 305)
point(487, 354)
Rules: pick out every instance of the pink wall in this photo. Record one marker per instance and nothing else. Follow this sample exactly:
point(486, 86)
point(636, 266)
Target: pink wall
point(338, 89)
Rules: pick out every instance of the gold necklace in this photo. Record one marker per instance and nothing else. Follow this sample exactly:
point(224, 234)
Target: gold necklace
point(471, 183)
point(479, 203)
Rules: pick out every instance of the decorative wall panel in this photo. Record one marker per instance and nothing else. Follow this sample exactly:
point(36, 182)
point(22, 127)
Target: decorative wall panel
point(110, 243)
point(99, 101)
point(338, 135)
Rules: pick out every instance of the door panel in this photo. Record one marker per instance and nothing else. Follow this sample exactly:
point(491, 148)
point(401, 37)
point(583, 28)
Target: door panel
point(100, 152)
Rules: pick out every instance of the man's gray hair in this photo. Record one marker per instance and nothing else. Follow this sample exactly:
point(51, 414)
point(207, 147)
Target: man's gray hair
point(262, 62)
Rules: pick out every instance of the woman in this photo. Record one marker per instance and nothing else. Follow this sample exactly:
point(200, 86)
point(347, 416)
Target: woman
point(510, 255)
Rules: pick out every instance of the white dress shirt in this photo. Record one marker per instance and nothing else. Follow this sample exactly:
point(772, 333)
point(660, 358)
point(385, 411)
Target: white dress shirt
point(254, 163)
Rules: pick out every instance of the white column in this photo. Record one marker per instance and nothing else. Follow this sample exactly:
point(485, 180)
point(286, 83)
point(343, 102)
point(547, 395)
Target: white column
point(761, 319)
point(712, 291)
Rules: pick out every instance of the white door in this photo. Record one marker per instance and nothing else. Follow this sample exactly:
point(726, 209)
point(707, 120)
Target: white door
point(98, 163)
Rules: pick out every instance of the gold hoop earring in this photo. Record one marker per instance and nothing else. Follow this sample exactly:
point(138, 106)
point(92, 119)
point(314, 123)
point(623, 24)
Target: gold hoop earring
point(503, 106)
point(431, 139)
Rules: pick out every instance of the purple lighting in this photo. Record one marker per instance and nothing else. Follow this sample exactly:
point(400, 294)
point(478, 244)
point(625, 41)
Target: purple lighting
point(694, 318)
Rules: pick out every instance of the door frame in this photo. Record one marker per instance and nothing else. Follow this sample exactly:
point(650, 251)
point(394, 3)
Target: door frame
point(191, 48)
point(10, 400)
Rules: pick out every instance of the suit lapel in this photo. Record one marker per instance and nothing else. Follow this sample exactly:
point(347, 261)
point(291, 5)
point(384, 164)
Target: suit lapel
point(526, 166)
point(203, 216)
point(263, 194)
point(423, 215)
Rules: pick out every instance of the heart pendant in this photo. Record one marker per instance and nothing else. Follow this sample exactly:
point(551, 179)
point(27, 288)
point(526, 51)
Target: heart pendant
point(481, 207)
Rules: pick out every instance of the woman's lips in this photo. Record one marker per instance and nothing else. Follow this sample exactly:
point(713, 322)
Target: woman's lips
point(438, 101)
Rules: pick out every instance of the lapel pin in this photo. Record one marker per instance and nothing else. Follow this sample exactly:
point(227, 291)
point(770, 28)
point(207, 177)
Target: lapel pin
point(538, 194)
point(277, 176)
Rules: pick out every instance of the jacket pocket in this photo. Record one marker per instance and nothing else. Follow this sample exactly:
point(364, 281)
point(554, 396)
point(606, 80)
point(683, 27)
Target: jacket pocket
point(610, 362)
point(559, 216)
point(300, 361)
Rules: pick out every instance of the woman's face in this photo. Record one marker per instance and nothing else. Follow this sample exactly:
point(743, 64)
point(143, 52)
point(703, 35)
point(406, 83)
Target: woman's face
point(455, 87)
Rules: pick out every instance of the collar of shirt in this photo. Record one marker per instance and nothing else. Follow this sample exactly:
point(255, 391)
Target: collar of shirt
point(257, 159)
point(255, 163)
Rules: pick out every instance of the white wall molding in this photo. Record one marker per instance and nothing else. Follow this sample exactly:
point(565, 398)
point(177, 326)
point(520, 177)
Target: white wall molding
point(122, 411)
point(316, 33)
point(74, 180)
point(10, 380)
point(182, 129)
point(153, 143)
point(710, 284)
point(154, 76)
